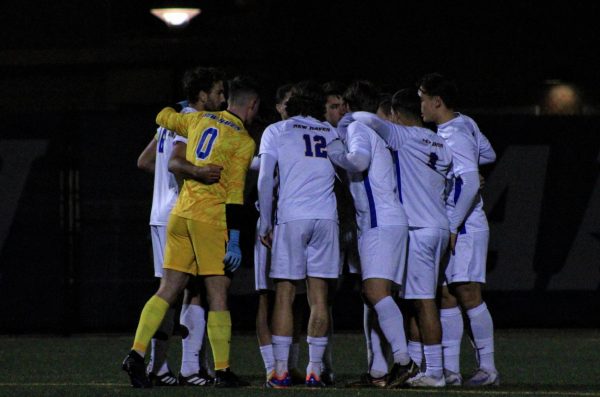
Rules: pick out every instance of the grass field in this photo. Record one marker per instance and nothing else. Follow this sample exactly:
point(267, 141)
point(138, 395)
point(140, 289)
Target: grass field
point(531, 362)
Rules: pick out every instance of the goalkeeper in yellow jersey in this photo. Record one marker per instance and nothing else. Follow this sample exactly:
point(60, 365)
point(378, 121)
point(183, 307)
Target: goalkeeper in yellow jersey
point(204, 226)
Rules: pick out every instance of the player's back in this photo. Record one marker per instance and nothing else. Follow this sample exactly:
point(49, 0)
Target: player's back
point(215, 138)
point(375, 190)
point(423, 163)
point(306, 175)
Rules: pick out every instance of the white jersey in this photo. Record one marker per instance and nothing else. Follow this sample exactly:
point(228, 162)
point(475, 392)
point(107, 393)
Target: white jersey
point(374, 191)
point(465, 140)
point(166, 189)
point(299, 145)
point(422, 161)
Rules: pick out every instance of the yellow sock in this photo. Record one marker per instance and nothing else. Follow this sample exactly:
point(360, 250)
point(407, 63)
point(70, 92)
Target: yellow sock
point(152, 316)
point(219, 335)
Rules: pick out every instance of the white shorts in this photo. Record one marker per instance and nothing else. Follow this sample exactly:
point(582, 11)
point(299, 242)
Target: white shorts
point(469, 261)
point(159, 240)
point(307, 247)
point(383, 252)
point(426, 246)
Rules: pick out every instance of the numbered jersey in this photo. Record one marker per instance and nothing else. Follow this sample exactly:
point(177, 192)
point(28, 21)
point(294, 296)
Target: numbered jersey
point(375, 190)
point(306, 176)
point(422, 161)
point(213, 138)
point(166, 189)
point(465, 140)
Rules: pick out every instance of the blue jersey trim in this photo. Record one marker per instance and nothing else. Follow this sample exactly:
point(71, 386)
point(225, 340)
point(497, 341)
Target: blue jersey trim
point(372, 210)
point(398, 176)
point(457, 188)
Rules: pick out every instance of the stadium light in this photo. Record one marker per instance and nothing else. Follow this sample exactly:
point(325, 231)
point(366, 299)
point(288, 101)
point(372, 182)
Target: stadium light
point(175, 17)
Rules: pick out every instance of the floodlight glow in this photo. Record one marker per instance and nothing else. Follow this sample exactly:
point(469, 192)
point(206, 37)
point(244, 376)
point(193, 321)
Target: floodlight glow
point(175, 17)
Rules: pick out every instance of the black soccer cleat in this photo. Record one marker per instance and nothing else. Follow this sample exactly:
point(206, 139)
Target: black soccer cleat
point(134, 365)
point(166, 379)
point(201, 378)
point(226, 378)
point(400, 373)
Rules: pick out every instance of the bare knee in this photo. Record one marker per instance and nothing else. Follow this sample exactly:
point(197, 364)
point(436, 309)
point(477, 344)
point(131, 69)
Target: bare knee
point(467, 294)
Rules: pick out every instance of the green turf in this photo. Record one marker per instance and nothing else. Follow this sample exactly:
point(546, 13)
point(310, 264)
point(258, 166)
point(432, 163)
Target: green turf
point(531, 362)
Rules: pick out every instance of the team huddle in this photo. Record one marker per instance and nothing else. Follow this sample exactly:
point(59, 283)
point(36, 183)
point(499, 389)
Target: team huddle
point(346, 168)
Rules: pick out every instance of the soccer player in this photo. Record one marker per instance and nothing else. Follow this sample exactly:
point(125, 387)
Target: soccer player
point(264, 285)
point(469, 233)
point(335, 107)
point(203, 88)
point(305, 237)
point(382, 223)
point(423, 161)
point(203, 229)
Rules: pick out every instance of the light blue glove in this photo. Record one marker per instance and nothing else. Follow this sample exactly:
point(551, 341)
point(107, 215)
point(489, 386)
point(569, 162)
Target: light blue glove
point(233, 256)
point(184, 104)
point(342, 127)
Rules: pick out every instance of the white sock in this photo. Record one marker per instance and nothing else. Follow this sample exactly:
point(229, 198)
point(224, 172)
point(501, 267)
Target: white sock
point(392, 326)
point(316, 349)
point(193, 320)
point(415, 351)
point(281, 352)
point(266, 352)
point(294, 355)
point(452, 332)
point(433, 360)
point(160, 344)
point(482, 328)
point(367, 331)
point(378, 366)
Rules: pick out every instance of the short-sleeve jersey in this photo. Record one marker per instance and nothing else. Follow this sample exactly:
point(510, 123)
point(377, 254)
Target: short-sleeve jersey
point(213, 138)
point(463, 137)
point(374, 190)
point(166, 188)
point(306, 176)
point(422, 161)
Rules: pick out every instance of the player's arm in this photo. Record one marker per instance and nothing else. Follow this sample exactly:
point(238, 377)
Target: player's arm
point(469, 191)
point(178, 165)
point(355, 156)
point(171, 119)
point(147, 158)
point(266, 184)
point(487, 154)
point(394, 135)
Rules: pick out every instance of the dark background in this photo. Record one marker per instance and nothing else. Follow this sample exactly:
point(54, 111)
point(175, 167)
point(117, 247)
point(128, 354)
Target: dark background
point(84, 79)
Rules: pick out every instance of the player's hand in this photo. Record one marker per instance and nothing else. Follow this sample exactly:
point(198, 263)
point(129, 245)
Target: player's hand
point(267, 240)
point(452, 243)
point(182, 105)
point(481, 182)
point(336, 146)
point(208, 174)
point(233, 256)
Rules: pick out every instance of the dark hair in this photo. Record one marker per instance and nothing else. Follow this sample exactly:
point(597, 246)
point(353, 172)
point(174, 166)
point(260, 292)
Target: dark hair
point(385, 103)
point(282, 92)
point(434, 84)
point(407, 101)
point(200, 79)
point(242, 89)
point(333, 88)
point(307, 100)
point(362, 95)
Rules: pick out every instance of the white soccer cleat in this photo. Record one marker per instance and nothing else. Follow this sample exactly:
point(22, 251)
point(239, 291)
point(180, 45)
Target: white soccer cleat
point(423, 380)
point(453, 378)
point(483, 377)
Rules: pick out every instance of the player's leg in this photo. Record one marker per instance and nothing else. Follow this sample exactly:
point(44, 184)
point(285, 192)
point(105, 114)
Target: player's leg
point(322, 269)
point(452, 323)
point(288, 265)
point(179, 256)
point(480, 320)
point(192, 320)
point(158, 367)
point(426, 246)
point(300, 312)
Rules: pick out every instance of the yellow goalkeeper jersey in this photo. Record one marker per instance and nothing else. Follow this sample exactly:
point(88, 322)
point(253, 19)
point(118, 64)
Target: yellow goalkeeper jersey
point(213, 138)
